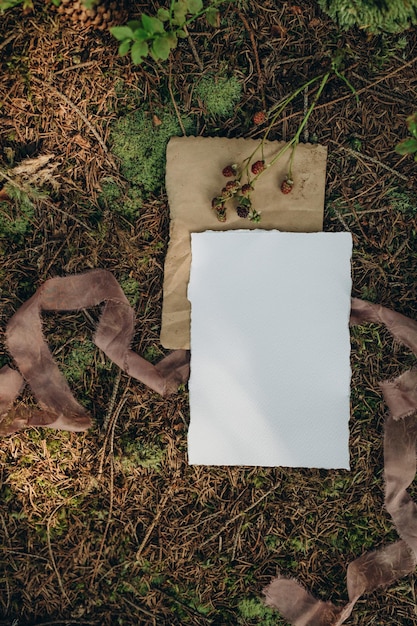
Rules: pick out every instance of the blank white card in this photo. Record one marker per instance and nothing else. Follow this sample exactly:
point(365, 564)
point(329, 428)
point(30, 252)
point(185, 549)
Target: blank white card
point(270, 349)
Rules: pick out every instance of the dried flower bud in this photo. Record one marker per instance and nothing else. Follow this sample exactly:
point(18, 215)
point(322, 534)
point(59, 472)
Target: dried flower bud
point(229, 171)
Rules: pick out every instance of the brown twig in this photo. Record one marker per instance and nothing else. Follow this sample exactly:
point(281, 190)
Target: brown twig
point(109, 437)
point(138, 608)
point(367, 87)
point(110, 431)
point(238, 515)
point(82, 116)
point(324, 105)
point(4, 43)
point(75, 67)
point(51, 554)
point(171, 93)
point(112, 401)
point(54, 207)
point(194, 50)
point(154, 522)
point(256, 55)
point(58, 251)
point(365, 157)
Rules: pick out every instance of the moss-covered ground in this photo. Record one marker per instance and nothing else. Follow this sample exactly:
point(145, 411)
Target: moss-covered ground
point(112, 527)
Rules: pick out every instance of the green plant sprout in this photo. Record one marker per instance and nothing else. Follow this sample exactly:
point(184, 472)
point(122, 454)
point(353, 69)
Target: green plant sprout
point(157, 35)
point(409, 145)
point(337, 62)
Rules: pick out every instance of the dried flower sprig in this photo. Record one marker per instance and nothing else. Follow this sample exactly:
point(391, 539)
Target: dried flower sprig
point(251, 169)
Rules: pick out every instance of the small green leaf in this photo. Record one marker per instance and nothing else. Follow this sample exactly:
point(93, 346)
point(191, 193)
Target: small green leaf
point(152, 24)
point(161, 48)
point(213, 17)
point(180, 13)
point(121, 32)
point(412, 124)
point(140, 35)
point(163, 14)
point(139, 51)
point(172, 40)
point(407, 146)
point(194, 6)
point(180, 5)
point(134, 24)
point(181, 34)
point(124, 47)
point(8, 4)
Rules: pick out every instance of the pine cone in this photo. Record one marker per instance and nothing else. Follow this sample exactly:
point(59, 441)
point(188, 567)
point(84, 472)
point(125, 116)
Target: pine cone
point(102, 15)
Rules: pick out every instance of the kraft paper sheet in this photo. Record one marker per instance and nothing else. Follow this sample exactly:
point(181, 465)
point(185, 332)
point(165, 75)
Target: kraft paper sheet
point(194, 177)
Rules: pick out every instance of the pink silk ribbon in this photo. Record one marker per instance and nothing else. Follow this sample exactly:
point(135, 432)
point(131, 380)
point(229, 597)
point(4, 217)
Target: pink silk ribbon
point(26, 343)
point(384, 566)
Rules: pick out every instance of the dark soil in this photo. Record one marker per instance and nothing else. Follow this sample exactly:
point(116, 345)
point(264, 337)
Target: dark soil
point(113, 526)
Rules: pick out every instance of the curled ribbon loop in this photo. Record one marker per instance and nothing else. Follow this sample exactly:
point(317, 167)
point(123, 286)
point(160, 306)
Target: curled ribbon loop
point(26, 343)
point(380, 567)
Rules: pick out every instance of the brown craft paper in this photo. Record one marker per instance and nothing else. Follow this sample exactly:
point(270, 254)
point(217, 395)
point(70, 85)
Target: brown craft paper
point(25, 341)
point(384, 566)
point(194, 177)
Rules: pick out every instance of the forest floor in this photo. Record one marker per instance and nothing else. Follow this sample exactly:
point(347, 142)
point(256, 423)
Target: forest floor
point(113, 526)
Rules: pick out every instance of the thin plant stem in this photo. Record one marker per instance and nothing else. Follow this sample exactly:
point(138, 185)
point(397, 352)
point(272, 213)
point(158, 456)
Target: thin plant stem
point(194, 50)
point(174, 104)
point(291, 161)
point(278, 108)
point(348, 83)
point(254, 215)
point(256, 56)
point(199, 14)
point(294, 141)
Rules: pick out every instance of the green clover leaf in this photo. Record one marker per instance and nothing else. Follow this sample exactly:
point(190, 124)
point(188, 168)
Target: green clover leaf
point(161, 48)
point(152, 25)
point(407, 146)
point(412, 124)
point(124, 47)
point(194, 6)
point(121, 32)
point(139, 51)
